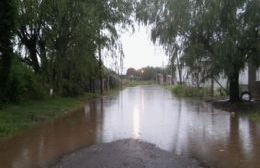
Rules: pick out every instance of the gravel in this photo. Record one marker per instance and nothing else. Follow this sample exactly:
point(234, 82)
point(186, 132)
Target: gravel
point(127, 153)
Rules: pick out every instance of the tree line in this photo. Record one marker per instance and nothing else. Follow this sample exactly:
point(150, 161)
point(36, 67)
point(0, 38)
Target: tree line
point(210, 37)
point(147, 73)
point(46, 44)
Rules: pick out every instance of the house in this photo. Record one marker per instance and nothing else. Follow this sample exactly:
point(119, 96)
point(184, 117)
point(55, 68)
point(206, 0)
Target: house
point(249, 80)
point(159, 79)
point(164, 79)
point(254, 81)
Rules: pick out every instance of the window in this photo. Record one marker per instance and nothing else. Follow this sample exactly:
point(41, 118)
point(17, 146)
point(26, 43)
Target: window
point(258, 74)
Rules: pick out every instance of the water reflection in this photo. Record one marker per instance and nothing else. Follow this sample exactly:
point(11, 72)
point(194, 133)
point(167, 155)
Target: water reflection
point(38, 146)
point(186, 127)
point(136, 122)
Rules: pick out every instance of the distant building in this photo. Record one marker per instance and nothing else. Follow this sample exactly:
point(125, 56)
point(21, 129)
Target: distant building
point(249, 80)
point(164, 79)
point(159, 79)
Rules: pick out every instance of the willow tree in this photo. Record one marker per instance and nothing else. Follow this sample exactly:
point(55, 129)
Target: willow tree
point(31, 24)
point(62, 39)
point(223, 33)
point(81, 29)
point(228, 32)
point(108, 16)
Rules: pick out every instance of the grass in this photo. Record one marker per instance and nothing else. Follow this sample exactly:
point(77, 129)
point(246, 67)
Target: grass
point(15, 118)
point(185, 91)
point(133, 83)
point(113, 91)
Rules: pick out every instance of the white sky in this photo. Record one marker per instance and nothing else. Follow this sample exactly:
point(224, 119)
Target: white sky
point(140, 51)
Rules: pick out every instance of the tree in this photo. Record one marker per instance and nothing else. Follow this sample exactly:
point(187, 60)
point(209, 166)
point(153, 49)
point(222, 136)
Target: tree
point(226, 33)
point(131, 72)
point(59, 43)
point(63, 39)
point(7, 27)
point(107, 15)
point(150, 73)
point(229, 33)
point(32, 23)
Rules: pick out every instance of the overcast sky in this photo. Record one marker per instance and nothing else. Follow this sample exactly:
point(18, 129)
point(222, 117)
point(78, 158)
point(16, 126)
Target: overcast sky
point(140, 51)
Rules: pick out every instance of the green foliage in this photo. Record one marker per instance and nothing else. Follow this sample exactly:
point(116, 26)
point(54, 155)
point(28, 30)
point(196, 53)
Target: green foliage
point(220, 92)
point(134, 83)
point(150, 73)
point(57, 42)
point(224, 34)
point(185, 91)
point(16, 118)
point(22, 83)
point(146, 73)
point(7, 28)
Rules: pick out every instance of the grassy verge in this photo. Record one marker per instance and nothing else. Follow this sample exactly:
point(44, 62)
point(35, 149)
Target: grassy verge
point(15, 118)
point(133, 83)
point(185, 91)
point(194, 92)
point(113, 91)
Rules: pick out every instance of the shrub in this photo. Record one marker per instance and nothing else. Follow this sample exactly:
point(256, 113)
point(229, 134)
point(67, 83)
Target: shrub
point(186, 91)
point(22, 84)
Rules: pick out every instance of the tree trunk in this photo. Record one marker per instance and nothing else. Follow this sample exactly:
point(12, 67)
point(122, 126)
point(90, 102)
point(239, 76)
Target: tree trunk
point(100, 68)
point(31, 44)
point(7, 17)
point(179, 70)
point(43, 55)
point(212, 87)
point(35, 62)
point(234, 87)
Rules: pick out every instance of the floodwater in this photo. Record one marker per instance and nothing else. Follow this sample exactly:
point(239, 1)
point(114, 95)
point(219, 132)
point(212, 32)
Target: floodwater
point(186, 127)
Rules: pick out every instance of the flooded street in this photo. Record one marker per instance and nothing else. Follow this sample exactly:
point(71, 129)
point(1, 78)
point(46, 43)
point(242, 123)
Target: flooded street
point(183, 126)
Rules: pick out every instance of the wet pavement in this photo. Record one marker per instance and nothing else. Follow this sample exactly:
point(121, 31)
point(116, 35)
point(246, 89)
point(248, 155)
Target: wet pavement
point(186, 127)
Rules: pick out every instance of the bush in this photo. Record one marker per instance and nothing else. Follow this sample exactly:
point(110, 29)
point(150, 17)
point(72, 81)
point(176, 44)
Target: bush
point(186, 91)
point(221, 92)
point(178, 90)
point(71, 88)
point(22, 84)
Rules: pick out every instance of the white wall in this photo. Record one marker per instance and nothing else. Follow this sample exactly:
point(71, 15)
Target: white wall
point(258, 75)
point(243, 78)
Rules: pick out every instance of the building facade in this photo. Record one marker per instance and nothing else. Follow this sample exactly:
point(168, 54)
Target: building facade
point(254, 81)
point(249, 80)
